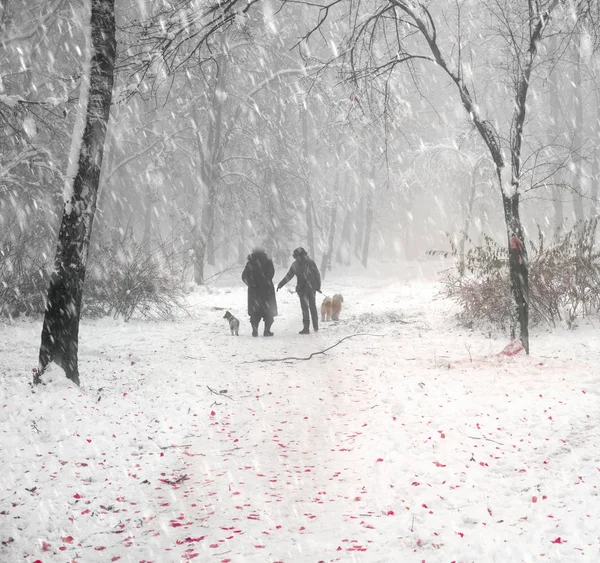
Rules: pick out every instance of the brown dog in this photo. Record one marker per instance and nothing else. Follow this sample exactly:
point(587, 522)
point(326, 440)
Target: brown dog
point(331, 307)
point(336, 306)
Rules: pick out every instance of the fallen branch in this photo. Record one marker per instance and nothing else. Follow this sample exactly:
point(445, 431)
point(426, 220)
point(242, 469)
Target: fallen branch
point(221, 393)
point(313, 354)
point(172, 446)
point(174, 481)
point(480, 438)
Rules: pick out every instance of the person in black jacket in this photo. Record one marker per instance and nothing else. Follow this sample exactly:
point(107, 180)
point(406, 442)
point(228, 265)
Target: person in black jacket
point(308, 282)
point(262, 303)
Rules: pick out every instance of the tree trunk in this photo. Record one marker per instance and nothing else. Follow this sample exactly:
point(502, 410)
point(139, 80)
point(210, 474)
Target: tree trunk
point(148, 214)
point(369, 204)
point(468, 216)
point(242, 242)
point(327, 255)
point(199, 254)
point(577, 137)
point(553, 133)
point(208, 224)
point(60, 331)
point(359, 225)
point(368, 225)
point(343, 255)
point(595, 180)
point(518, 267)
point(310, 237)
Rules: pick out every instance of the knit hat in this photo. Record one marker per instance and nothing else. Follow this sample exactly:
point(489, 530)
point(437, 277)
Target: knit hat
point(299, 252)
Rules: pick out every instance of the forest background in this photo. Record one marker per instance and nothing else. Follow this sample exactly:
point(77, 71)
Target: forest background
point(332, 126)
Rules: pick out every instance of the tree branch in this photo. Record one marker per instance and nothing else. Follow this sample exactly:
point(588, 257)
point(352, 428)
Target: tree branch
point(313, 354)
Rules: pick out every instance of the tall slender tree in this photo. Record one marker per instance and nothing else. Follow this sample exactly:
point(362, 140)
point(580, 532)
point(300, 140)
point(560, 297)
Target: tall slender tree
point(417, 37)
point(60, 331)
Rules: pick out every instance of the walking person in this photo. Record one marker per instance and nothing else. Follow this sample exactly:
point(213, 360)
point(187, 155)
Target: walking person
point(308, 282)
point(262, 303)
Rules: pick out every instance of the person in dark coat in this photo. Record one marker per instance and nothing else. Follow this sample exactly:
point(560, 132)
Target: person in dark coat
point(308, 282)
point(262, 303)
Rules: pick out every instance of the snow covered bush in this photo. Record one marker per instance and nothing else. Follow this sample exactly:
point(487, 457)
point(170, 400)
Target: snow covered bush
point(23, 267)
point(127, 278)
point(564, 279)
point(479, 284)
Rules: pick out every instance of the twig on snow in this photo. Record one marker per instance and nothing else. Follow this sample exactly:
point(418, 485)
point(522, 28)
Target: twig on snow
point(480, 438)
point(174, 481)
point(313, 354)
point(167, 447)
point(222, 393)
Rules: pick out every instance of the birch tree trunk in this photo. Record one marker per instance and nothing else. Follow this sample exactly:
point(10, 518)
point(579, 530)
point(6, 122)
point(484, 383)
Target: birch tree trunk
point(60, 331)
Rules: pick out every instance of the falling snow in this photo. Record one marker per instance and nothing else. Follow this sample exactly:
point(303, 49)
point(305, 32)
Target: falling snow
point(379, 135)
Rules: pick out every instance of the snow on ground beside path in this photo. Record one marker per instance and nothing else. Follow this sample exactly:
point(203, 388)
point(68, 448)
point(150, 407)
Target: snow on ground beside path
point(416, 440)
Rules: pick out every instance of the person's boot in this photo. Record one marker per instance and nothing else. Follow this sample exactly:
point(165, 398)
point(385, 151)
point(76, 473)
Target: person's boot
point(254, 324)
point(268, 329)
point(316, 326)
point(305, 330)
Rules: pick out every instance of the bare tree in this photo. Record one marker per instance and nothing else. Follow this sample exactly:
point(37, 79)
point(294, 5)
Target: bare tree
point(406, 34)
point(60, 331)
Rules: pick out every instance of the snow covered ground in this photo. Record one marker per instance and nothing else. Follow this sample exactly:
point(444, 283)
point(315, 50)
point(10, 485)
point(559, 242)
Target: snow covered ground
point(414, 440)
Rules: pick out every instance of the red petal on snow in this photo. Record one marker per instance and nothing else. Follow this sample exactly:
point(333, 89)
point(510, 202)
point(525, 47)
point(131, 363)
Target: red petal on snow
point(559, 540)
point(379, 459)
point(100, 548)
point(390, 513)
point(116, 558)
point(438, 464)
point(77, 495)
point(212, 413)
point(67, 539)
point(534, 499)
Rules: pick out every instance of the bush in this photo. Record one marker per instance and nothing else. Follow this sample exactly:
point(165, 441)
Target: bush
point(24, 275)
point(128, 278)
point(123, 278)
point(564, 278)
point(564, 282)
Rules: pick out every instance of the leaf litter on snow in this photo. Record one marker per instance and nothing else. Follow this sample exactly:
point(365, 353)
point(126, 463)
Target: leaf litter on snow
point(374, 451)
